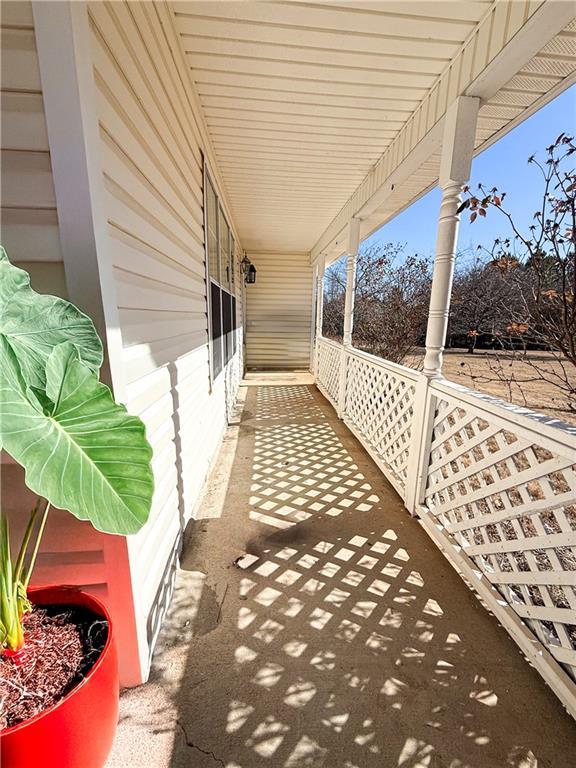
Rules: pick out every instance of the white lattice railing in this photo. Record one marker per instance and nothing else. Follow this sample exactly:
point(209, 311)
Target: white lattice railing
point(328, 362)
point(493, 484)
point(378, 408)
point(501, 484)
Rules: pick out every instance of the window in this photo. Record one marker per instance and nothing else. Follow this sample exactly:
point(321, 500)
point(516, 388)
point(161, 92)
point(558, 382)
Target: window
point(212, 231)
point(221, 266)
point(224, 245)
point(232, 264)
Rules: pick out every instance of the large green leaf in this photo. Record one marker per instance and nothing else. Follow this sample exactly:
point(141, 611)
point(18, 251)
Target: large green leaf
point(33, 324)
point(80, 450)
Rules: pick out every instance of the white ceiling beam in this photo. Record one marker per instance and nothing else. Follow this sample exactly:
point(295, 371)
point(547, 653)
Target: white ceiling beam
point(421, 152)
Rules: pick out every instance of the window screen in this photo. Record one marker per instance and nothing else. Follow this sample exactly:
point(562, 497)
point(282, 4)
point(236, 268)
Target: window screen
point(227, 325)
point(224, 241)
point(234, 325)
point(212, 234)
point(216, 328)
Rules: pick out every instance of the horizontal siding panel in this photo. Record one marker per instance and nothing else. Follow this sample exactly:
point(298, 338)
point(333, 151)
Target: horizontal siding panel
point(126, 175)
point(279, 311)
point(23, 122)
point(134, 256)
point(158, 418)
point(46, 277)
point(153, 173)
point(136, 292)
point(20, 71)
point(31, 235)
point(142, 359)
point(146, 390)
point(194, 362)
point(17, 14)
point(159, 82)
point(153, 558)
point(27, 180)
point(131, 109)
point(127, 214)
point(139, 326)
point(137, 68)
point(143, 201)
point(29, 221)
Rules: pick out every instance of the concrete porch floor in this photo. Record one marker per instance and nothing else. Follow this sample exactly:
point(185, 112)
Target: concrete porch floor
point(315, 624)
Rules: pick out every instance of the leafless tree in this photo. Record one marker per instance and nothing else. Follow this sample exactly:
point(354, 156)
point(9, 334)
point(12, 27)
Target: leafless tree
point(391, 301)
point(481, 302)
point(539, 268)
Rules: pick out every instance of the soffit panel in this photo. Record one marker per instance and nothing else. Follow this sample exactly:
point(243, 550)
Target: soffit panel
point(521, 96)
point(301, 99)
point(537, 81)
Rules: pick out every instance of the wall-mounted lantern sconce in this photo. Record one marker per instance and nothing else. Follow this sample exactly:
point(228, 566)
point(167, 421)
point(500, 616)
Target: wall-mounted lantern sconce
point(251, 276)
point(248, 270)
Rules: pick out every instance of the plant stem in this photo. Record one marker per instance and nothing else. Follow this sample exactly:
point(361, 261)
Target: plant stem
point(25, 541)
point(30, 568)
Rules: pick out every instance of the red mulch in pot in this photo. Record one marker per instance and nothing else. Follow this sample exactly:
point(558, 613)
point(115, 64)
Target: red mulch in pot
point(62, 644)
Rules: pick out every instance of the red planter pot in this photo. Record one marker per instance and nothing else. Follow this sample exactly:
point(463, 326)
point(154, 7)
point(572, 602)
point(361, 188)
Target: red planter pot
point(77, 731)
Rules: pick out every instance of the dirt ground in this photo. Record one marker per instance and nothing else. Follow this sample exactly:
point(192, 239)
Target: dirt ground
point(472, 370)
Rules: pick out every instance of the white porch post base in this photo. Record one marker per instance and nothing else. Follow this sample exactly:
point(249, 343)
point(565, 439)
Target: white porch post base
point(423, 422)
point(341, 409)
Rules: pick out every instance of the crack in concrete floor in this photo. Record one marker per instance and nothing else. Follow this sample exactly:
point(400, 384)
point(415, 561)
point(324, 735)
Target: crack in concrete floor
point(207, 752)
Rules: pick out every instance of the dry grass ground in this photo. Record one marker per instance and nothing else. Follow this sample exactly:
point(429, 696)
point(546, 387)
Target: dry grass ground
point(473, 370)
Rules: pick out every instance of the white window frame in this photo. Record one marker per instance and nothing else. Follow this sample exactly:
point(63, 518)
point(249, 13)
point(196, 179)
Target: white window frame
point(231, 265)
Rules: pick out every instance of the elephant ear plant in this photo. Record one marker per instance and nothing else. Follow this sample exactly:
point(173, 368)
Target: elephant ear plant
point(81, 451)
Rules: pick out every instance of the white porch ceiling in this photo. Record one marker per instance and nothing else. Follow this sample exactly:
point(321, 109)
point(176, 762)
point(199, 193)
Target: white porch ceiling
point(302, 99)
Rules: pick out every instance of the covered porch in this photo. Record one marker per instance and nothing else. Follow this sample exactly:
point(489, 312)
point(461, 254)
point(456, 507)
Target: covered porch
point(313, 624)
point(152, 149)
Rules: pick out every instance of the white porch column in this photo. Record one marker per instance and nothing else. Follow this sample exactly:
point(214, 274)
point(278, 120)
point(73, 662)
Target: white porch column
point(319, 278)
point(320, 295)
point(352, 253)
point(353, 244)
point(457, 148)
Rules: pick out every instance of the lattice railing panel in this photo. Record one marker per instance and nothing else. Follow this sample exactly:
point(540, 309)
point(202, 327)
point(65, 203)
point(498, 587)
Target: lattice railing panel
point(328, 372)
point(379, 406)
point(507, 495)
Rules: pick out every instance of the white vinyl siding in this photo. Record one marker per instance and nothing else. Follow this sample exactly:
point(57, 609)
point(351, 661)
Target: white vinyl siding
point(279, 311)
point(153, 174)
point(72, 551)
point(29, 218)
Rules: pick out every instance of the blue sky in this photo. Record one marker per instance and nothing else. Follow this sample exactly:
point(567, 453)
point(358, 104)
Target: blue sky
point(503, 165)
